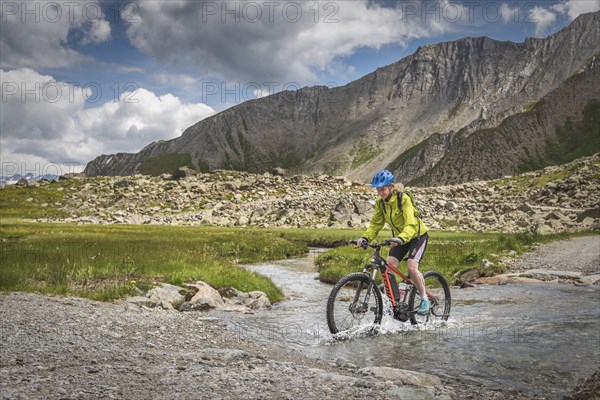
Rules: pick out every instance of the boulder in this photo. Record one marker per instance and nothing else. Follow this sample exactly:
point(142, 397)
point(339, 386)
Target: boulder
point(470, 275)
point(590, 213)
point(451, 206)
point(184, 172)
point(205, 297)
point(167, 293)
point(544, 229)
point(280, 171)
point(253, 300)
point(257, 300)
point(22, 182)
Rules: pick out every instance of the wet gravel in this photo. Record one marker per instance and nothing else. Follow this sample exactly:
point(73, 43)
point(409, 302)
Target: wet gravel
point(71, 348)
point(581, 254)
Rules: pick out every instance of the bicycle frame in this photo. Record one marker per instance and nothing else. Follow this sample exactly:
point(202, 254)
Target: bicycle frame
point(378, 263)
point(387, 283)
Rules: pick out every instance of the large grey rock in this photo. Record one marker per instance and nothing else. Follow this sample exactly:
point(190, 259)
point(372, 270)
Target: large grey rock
point(184, 172)
point(451, 206)
point(255, 300)
point(206, 297)
point(470, 275)
point(544, 229)
point(167, 293)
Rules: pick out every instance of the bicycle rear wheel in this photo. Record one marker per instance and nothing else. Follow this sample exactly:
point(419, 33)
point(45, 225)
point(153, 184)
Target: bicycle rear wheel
point(351, 304)
point(439, 296)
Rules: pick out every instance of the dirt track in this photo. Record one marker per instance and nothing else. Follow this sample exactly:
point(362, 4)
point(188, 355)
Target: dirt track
point(581, 254)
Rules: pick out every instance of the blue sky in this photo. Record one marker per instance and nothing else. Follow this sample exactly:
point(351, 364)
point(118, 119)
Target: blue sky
point(85, 78)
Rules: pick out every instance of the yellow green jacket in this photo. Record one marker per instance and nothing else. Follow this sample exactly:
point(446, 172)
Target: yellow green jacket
point(403, 222)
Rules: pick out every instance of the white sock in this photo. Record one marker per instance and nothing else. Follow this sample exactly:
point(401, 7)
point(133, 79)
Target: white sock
point(424, 297)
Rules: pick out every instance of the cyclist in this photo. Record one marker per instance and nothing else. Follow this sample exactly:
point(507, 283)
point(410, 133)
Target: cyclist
point(408, 231)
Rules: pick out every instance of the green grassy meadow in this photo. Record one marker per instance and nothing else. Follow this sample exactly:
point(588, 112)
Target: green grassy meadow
point(101, 261)
point(447, 252)
point(106, 262)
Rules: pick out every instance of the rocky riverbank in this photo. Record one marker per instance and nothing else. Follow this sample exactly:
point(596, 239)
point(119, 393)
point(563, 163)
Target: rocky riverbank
point(71, 348)
point(575, 261)
point(555, 199)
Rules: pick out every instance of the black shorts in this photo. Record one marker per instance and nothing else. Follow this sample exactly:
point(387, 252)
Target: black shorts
point(415, 249)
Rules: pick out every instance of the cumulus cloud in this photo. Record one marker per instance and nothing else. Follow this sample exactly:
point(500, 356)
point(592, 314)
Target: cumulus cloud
point(176, 80)
point(544, 19)
point(574, 8)
point(545, 16)
point(38, 34)
point(59, 128)
point(275, 41)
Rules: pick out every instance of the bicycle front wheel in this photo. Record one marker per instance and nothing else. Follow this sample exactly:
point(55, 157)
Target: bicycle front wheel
point(351, 303)
point(438, 292)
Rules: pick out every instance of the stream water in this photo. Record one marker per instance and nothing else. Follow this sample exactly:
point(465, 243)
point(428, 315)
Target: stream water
point(539, 339)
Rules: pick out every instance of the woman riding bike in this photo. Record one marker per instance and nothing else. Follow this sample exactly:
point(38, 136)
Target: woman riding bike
point(408, 231)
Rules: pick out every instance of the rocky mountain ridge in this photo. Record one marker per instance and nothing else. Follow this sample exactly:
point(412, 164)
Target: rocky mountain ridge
point(560, 198)
point(547, 134)
point(470, 84)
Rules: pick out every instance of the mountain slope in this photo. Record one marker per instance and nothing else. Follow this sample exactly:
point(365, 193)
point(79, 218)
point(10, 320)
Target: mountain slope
point(469, 84)
point(562, 126)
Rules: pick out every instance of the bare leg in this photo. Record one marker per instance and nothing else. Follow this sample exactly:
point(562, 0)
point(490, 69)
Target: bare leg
point(394, 261)
point(416, 276)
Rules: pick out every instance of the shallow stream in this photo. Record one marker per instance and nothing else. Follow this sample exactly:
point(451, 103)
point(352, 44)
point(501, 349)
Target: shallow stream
point(539, 339)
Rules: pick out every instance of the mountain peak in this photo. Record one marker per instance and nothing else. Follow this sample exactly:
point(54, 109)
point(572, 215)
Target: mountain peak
point(464, 85)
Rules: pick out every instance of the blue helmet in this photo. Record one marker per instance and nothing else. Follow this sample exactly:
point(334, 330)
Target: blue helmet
point(382, 178)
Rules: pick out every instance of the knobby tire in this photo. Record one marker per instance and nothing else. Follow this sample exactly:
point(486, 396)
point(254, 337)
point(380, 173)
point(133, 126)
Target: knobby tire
point(344, 313)
point(436, 284)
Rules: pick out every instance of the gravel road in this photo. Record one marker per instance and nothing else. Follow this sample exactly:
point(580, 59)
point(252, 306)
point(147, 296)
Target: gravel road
point(581, 254)
point(575, 260)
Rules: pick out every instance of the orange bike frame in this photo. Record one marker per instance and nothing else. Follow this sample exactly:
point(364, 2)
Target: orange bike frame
point(387, 284)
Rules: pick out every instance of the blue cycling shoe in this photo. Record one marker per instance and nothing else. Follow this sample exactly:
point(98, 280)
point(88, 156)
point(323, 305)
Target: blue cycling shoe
point(424, 307)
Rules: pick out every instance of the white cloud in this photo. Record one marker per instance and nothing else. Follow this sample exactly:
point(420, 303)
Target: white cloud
point(574, 8)
point(59, 128)
point(128, 69)
point(96, 32)
point(509, 13)
point(286, 41)
point(37, 34)
point(544, 19)
point(180, 81)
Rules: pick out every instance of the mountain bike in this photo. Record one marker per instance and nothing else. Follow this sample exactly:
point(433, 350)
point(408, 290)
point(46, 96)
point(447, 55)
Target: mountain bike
point(356, 299)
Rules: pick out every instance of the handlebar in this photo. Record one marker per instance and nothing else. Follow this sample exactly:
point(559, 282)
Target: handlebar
point(374, 245)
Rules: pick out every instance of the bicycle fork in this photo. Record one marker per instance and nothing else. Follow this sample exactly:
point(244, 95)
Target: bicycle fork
point(364, 304)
